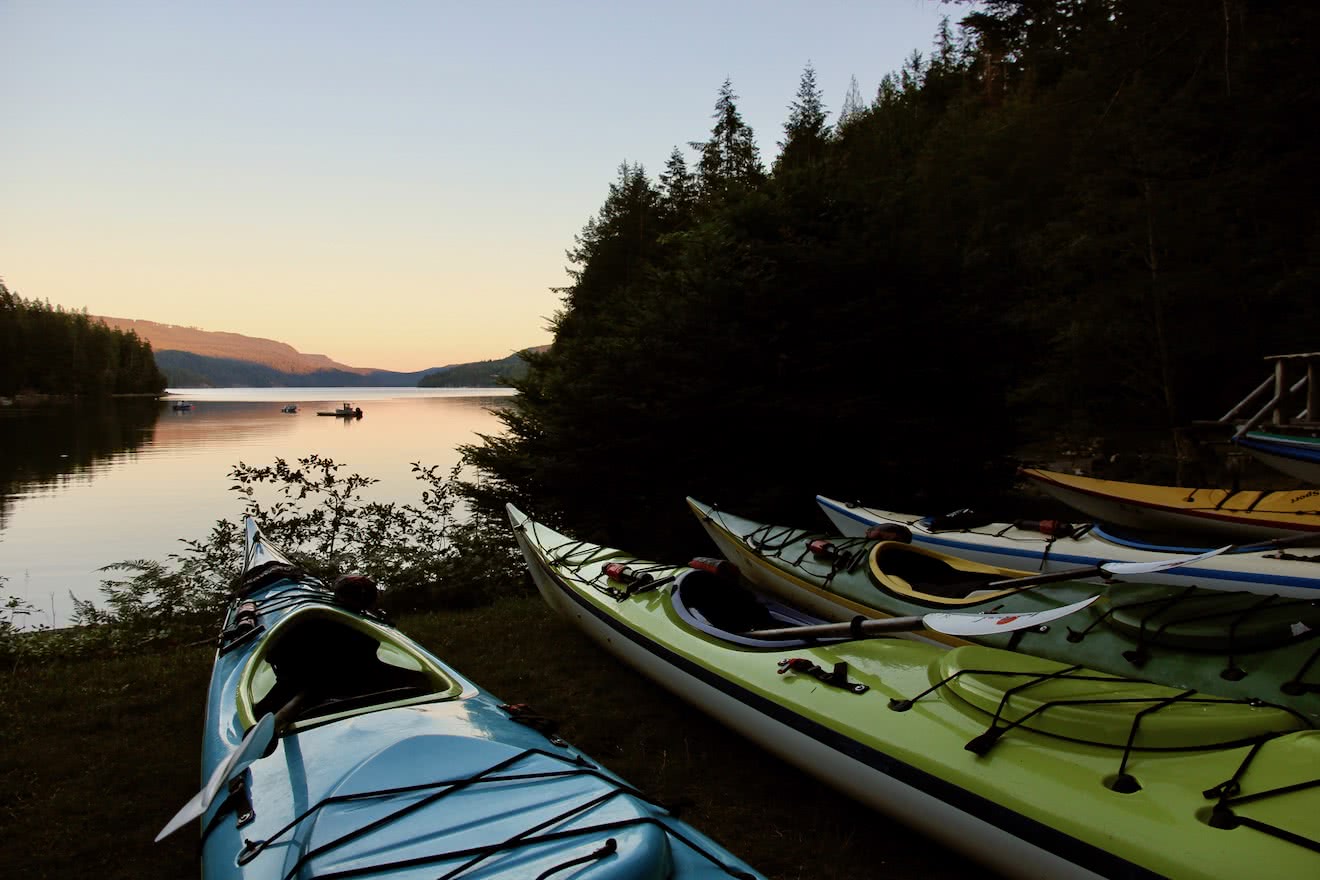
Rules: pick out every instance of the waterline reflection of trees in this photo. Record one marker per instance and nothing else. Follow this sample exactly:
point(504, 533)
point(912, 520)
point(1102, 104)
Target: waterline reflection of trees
point(41, 445)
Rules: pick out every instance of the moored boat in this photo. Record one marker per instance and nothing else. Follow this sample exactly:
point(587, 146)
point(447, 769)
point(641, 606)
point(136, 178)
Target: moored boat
point(1297, 456)
point(336, 746)
point(289, 408)
point(1240, 516)
point(1036, 768)
point(1285, 567)
point(1234, 644)
point(181, 405)
point(346, 411)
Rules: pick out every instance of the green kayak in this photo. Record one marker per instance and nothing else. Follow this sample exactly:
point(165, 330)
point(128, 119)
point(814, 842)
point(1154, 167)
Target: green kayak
point(1034, 767)
point(1232, 644)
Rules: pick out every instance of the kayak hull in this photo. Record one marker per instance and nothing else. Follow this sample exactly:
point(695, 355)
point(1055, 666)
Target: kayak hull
point(1295, 456)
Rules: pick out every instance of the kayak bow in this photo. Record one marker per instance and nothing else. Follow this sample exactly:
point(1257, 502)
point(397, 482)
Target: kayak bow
point(337, 746)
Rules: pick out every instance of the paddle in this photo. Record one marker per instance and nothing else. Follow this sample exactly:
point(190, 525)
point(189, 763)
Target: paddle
point(1305, 539)
point(949, 623)
point(1104, 570)
point(254, 745)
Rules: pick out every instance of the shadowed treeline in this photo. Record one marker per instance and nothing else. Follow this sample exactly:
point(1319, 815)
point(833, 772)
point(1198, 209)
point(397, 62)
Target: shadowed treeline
point(1067, 217)
point(46, 350)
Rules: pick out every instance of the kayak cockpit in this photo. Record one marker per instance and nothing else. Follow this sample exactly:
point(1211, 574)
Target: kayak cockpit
point(337, 664)
point(920, 575)
point(724, 609)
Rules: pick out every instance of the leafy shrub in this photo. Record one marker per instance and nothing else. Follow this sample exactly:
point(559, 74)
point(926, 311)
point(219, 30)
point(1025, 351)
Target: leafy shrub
point(426, 555)
point(12, 637)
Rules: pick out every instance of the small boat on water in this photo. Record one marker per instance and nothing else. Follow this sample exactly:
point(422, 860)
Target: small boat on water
point(1295, 455)
point(335, 746)
point(347, 411)
point(1283, 566)
point(1233, 644)
point(180, 405)
point(1240, 516)
point(1033, 767)
point(289, 408)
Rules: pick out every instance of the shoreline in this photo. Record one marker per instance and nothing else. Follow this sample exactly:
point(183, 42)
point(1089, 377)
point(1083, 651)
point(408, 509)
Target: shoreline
point(36, 398)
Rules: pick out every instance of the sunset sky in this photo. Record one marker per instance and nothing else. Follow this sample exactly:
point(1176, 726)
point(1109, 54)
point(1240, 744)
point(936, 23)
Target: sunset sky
point(392, 184)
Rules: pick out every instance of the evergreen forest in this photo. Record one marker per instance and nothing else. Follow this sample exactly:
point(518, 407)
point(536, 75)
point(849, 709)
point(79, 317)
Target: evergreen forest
point(46, 350)
point(476, 375)
point(1068, 217)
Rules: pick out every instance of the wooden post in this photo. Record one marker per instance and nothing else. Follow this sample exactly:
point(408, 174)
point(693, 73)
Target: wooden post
point(1280, 390)
point(1312, 393)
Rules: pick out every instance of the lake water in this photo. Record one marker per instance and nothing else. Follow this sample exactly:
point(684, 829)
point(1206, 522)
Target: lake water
point(89, 484)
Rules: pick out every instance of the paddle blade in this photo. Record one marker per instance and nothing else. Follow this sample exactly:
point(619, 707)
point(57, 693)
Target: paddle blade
point(253, 746)
point(955, 624)
point(1159, 565)
point(187, 813)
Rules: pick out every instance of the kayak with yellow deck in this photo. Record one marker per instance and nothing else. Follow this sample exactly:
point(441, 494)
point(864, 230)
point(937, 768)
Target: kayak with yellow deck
point(1244, 645)
point(1033, 767)
point(1238, 515)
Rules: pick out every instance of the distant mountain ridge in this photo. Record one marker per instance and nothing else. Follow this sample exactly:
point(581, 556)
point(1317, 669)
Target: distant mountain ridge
point(232, 346)
point(195, 358)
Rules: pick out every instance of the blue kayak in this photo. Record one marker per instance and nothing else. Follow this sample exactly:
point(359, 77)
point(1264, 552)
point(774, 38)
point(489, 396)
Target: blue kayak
point(335, 746)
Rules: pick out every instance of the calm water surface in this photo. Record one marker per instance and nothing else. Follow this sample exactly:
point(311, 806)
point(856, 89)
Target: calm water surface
point(83, 486)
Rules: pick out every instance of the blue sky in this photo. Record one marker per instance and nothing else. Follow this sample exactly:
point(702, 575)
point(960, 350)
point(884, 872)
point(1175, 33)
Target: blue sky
point(392, 184)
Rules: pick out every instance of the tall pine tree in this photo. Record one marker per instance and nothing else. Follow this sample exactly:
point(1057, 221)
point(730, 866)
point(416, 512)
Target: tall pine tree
point(730, 161)
point(805, 132)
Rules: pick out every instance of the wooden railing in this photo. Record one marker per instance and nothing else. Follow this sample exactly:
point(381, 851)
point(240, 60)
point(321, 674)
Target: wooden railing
point(1293, 383)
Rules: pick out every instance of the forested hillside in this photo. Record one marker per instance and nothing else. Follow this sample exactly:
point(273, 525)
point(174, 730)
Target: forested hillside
point(46, 350)
point(222, 345)
point(1066, 216)
point(481, 374)
point(186, 369)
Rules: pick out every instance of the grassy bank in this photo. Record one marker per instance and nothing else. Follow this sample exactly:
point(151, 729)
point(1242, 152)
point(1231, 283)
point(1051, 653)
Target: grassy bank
point(96, 755)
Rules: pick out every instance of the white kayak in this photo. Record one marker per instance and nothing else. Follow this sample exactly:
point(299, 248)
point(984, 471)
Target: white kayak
point(1285, 567)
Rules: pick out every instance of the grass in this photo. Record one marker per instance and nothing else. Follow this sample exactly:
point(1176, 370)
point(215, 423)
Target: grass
point(95, 756)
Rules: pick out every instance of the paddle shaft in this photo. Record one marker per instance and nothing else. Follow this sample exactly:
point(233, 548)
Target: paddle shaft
point(1305, 539)
point(857, 628)
point(1105, 570)
point(949, 623)
point(1067, 574)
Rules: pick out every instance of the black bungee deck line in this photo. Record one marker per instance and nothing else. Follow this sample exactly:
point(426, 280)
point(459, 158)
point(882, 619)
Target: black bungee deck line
point(581, 766)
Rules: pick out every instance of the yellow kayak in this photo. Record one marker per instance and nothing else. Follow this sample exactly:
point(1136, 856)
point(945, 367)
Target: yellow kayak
point(1241, 516)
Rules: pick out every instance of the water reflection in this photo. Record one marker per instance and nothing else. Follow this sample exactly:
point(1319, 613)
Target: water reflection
point(82, 487)
point(46, 446)
point(220, 421)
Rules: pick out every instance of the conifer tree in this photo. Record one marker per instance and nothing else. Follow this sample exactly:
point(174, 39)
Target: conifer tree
point(613, 245)
point(805, 132)
point(45, 349)
point(678, 189)
point(852, 105)
point(730, 160)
